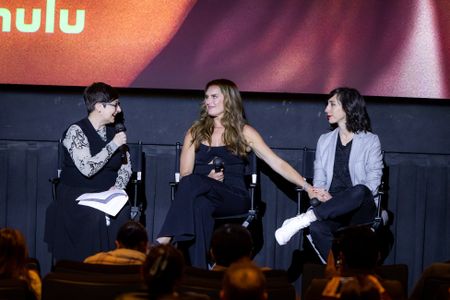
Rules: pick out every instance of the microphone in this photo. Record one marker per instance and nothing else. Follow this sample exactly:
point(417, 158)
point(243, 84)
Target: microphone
point(218, 164)
point(120, 127)
point(314, 202)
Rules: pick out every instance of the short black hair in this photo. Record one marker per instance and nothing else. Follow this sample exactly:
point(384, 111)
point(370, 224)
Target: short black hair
point(132, 235)
point(162, 269)
point(244, 280)
point(99, 92)
point(359, 246)
point(231, 242)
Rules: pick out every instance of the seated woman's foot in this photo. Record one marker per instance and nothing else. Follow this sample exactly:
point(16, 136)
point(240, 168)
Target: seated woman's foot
point(163, 240)
point(293, 225)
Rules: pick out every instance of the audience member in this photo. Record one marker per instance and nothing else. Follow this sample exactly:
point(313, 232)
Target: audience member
point(13, 260)
point(440, 273)
point(243, 280)
point(230, 243)
point(356, 253)
point(162, 271)
point(131, 247)
point(353, 288)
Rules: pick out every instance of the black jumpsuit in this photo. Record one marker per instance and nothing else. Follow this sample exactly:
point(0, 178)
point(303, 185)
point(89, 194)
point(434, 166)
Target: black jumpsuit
point(200, 198)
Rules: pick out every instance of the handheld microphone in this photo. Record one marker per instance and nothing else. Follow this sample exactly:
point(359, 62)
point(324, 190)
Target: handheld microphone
point(218, 164)
point(120, 127)
point(314, 202)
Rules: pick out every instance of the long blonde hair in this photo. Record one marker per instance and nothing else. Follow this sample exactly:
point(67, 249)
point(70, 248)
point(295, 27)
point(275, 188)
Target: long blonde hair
point(233, 120)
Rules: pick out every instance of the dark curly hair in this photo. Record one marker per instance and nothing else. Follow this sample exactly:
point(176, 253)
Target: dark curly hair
point(162, 270)
point(354, 107)
point(231, 242)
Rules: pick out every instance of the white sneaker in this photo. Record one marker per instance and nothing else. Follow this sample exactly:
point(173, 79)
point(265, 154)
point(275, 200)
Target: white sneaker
point(293, 225)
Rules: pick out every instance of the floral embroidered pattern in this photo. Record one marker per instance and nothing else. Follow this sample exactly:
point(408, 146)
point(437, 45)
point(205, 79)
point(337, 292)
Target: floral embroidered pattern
point(77, 144)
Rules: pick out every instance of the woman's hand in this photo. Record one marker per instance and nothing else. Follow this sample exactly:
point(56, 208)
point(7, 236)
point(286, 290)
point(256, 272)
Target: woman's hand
point(320, 193)
point(120, 139)
point(311, 193)
point(216, 175)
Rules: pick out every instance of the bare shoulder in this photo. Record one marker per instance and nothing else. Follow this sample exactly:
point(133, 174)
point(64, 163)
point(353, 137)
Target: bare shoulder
point(249, 132)
point(188, 135)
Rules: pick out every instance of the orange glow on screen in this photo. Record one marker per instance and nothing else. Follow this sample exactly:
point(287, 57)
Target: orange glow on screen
point(117, 40)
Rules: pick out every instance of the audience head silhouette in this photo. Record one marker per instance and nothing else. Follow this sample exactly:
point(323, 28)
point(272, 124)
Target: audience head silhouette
point(243, 280)
point(359, 288)
point(132, 235)
point(362, 287)
point(230, 243)
point(162, 270)
point(358, 248)
point(14, 261)
point(13, 254)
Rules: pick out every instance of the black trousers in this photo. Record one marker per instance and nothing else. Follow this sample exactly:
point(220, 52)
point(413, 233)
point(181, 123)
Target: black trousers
point(190, 218)
point(74, 231)
point(350, 207)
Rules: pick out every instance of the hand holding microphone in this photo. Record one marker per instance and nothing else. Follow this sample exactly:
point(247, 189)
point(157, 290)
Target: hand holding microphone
point(121, 139)
point(319, 195)
point(217, 172)
point(218, 164)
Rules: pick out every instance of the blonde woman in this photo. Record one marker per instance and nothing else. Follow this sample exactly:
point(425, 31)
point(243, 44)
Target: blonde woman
point(206, 191)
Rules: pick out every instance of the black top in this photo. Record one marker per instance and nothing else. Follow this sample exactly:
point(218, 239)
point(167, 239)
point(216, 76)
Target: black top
point(234, 166)
point(341, 174)
point(103, 179)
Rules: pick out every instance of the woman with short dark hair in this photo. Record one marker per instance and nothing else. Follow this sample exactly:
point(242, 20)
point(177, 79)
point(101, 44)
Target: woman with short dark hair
point(347, 172)
point(92, 163)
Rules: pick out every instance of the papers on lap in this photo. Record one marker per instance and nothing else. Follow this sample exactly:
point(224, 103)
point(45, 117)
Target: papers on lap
point(110, 202)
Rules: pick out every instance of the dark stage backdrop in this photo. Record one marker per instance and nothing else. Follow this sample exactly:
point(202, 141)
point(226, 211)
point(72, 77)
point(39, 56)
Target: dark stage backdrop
point(414, 133)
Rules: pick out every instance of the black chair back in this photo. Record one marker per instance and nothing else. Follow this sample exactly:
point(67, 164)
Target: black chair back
point(69, 266)
point(15, 289)
point(73, 286)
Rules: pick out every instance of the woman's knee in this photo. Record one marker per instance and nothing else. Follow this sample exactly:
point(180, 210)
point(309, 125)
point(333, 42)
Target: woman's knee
point(361, 193)
point(193, 183)
point(362, 190)
point(189, 179)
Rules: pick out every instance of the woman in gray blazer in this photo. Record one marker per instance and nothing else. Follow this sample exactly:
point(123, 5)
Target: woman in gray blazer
point(347, 173)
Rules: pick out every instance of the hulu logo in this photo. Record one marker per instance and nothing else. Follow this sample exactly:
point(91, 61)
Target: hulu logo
point(35, 25)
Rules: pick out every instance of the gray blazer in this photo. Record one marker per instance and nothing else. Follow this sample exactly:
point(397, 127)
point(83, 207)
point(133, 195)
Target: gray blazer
point(365, 162)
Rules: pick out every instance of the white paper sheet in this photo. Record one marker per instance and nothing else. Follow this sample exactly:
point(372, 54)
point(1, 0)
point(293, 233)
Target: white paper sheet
point(110, 202)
